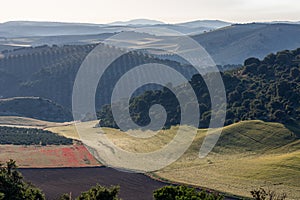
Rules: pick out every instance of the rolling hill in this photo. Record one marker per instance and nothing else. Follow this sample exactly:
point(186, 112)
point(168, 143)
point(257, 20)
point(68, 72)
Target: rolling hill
point(19, 29)
point(138, 22)
point(227, 43)
point(15, 29)
point(247, 156)
point(266, 89)
point(49, 72)
point(16, 121)
point(34, 107)
point(213, 24)
point(233, 44)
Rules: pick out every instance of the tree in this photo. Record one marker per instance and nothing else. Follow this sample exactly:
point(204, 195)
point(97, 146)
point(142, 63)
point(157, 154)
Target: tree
point(251, 61)
point(295, 73)
point(262, 194)
point(183, 193)
point(1, 196)
point(99, 192)
point(65, 197)
point(12, 186)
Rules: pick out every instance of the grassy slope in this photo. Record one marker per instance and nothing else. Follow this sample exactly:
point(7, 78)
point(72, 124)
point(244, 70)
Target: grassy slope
point(26, 122)
point(67, 131)
point(248, 155)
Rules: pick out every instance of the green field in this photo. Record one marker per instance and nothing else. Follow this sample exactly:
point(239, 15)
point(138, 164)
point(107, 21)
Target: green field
point(248, 155)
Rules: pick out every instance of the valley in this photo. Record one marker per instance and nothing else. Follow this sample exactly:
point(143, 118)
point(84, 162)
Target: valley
point(259, 128)
point(247, 155)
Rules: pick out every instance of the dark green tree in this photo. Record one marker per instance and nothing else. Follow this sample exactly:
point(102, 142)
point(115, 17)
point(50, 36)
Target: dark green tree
point(183, 193)
point(99, 192)
point(13, 187)
point(262, 194)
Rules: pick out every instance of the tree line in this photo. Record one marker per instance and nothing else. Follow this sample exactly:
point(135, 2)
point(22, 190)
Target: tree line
point(32, 136)
point(267, 89)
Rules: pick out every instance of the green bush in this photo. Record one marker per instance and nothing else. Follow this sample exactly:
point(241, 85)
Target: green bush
point(183, 193)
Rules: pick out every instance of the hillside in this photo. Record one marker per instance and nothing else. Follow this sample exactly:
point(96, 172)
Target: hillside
point(49, 72)
point(213, 24)
point(265, 89)
point(32, 28)
point(247, 156)
point(34, 107)
point(136, 22)
point(235, 43)
point(26, 122)
point(35, 41)
point(28, 29)
point(226, 43)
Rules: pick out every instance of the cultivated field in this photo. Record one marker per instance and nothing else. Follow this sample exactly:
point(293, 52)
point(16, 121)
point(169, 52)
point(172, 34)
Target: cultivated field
point(249, 155)
point(39, 156)
point(55, 182)
point(48, 156)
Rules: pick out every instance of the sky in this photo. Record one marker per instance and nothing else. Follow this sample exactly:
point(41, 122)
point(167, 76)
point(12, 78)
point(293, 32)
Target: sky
point(169, 11)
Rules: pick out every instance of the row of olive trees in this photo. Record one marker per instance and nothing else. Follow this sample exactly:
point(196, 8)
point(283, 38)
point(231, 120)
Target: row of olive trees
point(31, 136)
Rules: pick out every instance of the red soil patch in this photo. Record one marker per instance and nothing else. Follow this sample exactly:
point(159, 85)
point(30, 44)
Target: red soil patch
point(48, 156)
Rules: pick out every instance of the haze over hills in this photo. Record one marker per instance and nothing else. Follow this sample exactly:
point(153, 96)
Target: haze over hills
point(235, 43)
point(214, 24)
point(32, 28)
point(49, 72)
point(136, 22)
point(226, 43)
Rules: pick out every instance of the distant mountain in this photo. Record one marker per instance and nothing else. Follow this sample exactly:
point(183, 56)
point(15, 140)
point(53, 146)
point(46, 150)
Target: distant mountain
point(213, 24)
point(233, 44)
point(34, 107)
point(136, 22)
point(17, 29)
point(29, 29)
point(46, 23)
point(230, 44)
point(285, 22)
point(15, 43)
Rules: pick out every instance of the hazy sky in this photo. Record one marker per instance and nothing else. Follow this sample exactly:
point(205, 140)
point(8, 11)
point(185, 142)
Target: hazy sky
point(103, 11)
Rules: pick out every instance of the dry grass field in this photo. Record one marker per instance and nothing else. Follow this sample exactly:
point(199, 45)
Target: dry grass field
point(27, 122)
point(248, 155)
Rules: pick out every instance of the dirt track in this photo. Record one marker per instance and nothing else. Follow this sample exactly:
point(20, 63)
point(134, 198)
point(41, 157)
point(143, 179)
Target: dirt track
point(55, 182)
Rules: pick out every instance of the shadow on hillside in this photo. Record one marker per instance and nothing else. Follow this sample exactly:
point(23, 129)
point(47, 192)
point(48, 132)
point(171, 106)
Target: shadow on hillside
point(294, 126)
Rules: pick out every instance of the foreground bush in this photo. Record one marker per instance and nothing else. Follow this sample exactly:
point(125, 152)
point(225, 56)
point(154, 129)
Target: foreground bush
point(262, 194)
point(183, 193)
point(99, 192)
